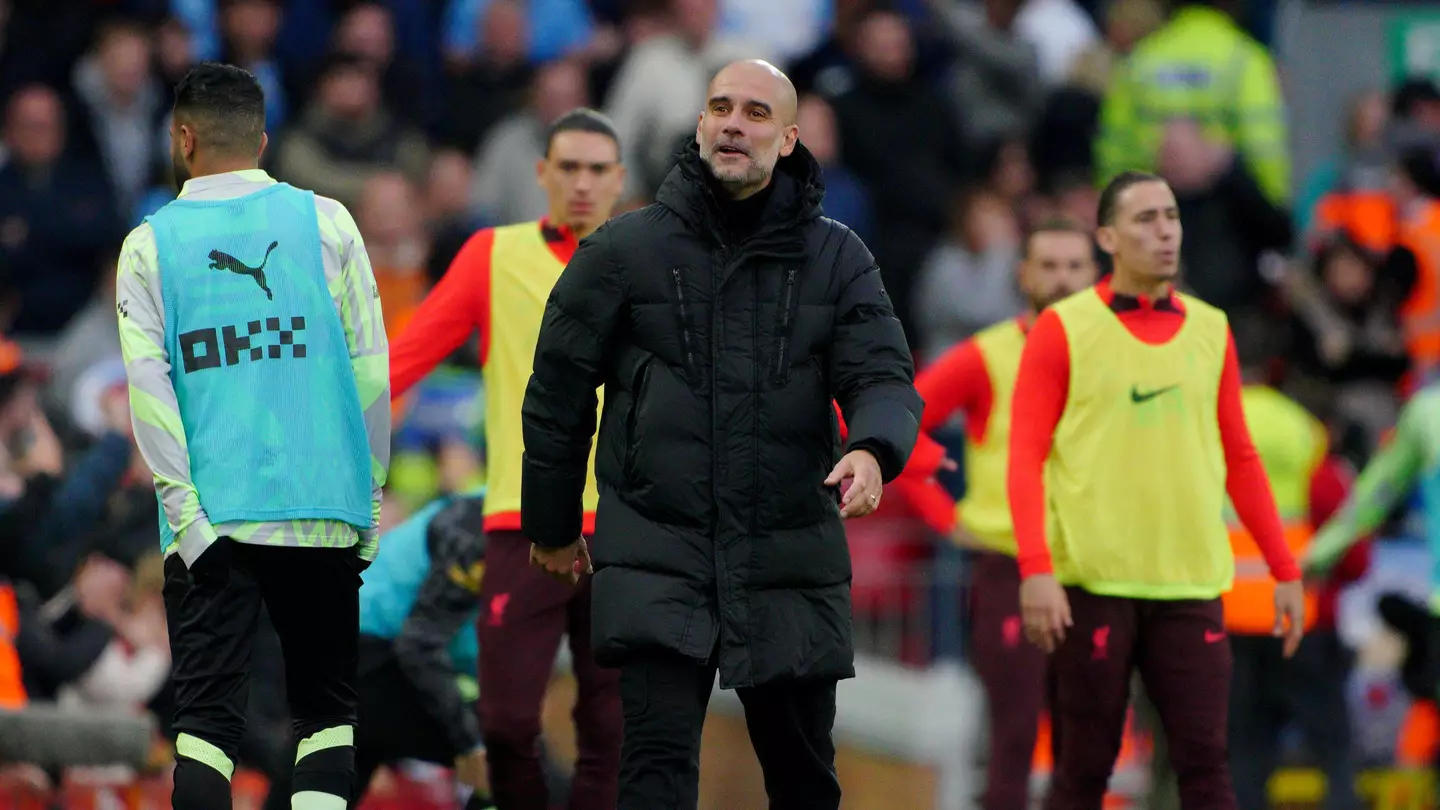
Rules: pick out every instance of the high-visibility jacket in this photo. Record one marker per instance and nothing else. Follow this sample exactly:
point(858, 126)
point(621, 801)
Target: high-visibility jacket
point(1292, 444)
point(1420, 315)
point(12, 686)
point(1201, 67)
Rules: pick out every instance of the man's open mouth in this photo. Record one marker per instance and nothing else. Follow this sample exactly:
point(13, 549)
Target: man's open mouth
point(730, 149)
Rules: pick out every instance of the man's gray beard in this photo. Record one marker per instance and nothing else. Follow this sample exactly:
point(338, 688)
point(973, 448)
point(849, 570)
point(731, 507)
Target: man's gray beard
point(755, 176)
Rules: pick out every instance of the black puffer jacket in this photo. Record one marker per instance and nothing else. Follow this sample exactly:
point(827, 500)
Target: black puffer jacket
point(719, 363)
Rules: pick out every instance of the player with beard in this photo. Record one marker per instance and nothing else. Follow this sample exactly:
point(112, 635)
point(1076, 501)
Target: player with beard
point(254, 346)
point(977, 379)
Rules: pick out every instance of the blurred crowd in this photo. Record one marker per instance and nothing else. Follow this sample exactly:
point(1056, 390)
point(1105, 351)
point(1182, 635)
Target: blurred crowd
point(944, 127)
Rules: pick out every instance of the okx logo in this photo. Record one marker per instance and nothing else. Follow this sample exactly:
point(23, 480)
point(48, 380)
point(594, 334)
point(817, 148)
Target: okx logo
point(212, 348)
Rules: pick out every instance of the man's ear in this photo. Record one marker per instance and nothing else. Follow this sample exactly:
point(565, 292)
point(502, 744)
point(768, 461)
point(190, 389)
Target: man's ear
point(1107, 238)
point(188, 141)
point(264, 142)
point(792, 137)
point(540, 172)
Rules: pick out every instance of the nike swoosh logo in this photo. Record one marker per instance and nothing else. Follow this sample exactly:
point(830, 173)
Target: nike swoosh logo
point(1137, 397)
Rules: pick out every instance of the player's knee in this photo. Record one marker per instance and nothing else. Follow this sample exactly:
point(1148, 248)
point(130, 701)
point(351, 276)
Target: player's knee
point(511, 731)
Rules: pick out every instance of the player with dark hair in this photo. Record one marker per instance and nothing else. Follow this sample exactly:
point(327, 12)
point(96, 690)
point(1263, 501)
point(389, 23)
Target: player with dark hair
point(260, 403)
point(497, 285)
point(1128, 427)
point(977, 378)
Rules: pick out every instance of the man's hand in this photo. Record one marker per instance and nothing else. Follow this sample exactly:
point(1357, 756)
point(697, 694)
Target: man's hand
point(471, 769)
point(566, 563)
point(1046, 611)
point(1290, 610)
point(864, 493)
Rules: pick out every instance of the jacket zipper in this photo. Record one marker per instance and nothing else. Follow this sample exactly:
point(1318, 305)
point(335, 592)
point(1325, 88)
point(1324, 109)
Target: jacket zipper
point(782, 358)
point(638, 397)
point(684, 313)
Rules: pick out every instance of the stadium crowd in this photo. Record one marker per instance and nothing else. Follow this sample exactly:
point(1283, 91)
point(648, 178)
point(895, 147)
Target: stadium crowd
point(946, 129)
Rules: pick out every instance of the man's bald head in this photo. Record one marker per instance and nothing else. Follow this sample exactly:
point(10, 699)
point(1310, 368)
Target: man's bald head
point(748, 124)
point(759, 72)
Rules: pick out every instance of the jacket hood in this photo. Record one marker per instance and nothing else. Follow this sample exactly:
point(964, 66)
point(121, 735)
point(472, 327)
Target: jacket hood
point(799, 188)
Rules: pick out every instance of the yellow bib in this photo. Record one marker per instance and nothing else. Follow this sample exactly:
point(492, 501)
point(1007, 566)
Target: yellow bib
point(985, 510)
point(1136, 475)
point(523, 270)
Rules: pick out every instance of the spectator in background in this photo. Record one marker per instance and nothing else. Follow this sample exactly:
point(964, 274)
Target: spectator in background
point(347, 135)
point(1199, 102)
point(787, 31)
point(392, 223)
point(503, 189)
point(447, 214)
point(1347, 349)
point(482, 90)
point(995, 83)
point(1059, 31)
point(829, 68)
point(847, 199)
point(58, 219)
point(91, 337)
point(558, 29)
point(1126, 23)
point(367, 32)
point(660, 88)
point(41, 41)
point(898, 134)
point(1357, 176)
point(1415, 190)
point(249, 29)
point(175, 51)
point(968, 281)
point(123, 106)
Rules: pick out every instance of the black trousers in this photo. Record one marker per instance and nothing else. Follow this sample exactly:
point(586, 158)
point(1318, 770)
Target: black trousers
point(312, 597)
point(1268, 692)
point(665, 696)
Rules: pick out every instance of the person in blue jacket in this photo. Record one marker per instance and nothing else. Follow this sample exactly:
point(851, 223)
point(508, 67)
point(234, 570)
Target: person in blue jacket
point(418, 646)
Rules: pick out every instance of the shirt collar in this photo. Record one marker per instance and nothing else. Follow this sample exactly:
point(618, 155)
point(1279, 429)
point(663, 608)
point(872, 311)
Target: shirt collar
point(557, 234)
point(214, 181)
point(1120, 302)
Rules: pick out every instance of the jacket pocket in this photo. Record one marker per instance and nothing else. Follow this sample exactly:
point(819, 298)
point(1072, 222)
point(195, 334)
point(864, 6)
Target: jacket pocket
point(637, 401)
point(784, 325)
point(682, 320)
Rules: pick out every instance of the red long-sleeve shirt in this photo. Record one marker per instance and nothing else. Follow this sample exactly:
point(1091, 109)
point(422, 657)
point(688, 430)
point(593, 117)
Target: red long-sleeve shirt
point(1040, 394)
point(457, 307)
point(957, 382)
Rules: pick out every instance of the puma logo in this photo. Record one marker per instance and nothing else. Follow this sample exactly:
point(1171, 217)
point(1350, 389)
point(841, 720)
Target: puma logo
point(224, 261)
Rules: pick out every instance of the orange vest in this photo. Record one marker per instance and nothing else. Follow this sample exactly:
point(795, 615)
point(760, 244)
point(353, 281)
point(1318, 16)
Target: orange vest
point(12, 687)
point(1420, 314)
point(1368, 217)
point(1291, 444)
